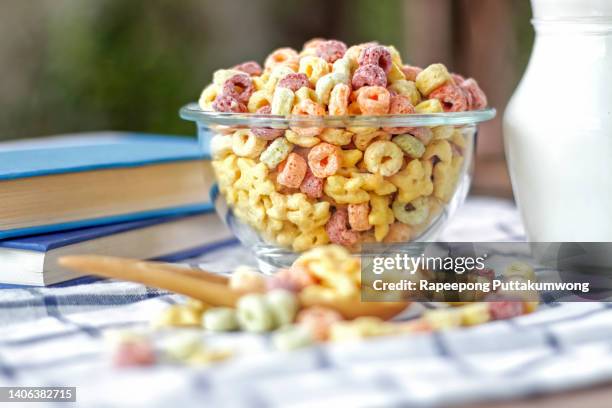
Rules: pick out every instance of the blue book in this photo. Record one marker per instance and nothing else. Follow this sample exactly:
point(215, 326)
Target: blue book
point(33, 260)
point(87, 179)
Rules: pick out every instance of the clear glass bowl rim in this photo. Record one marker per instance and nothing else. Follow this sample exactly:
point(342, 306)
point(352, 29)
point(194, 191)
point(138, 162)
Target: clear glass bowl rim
point(193, 112)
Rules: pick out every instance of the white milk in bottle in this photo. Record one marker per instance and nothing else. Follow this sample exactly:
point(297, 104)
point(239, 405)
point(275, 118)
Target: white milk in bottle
point(558, 125)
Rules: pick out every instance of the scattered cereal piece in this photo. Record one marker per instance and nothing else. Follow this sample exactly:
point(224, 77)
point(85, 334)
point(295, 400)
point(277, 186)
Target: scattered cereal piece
point(134, 354)
point(318, 320)
point(246, 279)
point(254, 313)
point(220, 319)
point(283, 305)
point(291, 338)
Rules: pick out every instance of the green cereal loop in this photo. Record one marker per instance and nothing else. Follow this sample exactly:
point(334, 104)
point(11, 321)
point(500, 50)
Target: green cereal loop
point(291, 338)
point(410, 145)
point(220, 319)
point(412, 213)
point(276, 152)
point(254, 314)
point(284, 306)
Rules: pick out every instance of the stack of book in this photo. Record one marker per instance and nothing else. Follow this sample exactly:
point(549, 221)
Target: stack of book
point(111, 193)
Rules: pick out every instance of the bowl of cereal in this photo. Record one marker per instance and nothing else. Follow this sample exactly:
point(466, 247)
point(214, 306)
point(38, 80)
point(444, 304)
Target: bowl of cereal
point(337, 145)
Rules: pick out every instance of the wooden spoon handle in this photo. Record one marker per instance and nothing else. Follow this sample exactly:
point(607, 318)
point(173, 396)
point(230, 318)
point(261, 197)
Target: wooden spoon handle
point(156, 274)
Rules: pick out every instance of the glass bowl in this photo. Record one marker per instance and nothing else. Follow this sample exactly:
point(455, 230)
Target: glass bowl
point(367, 196)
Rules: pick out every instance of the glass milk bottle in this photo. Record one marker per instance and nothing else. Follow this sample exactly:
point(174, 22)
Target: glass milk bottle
point(558, 125)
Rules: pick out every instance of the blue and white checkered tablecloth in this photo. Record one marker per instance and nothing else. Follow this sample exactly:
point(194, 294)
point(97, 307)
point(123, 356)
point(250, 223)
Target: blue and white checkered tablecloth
point(55, 336)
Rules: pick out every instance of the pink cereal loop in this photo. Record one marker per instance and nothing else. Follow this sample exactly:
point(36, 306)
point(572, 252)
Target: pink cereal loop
point(250, 67)
point(358, 216)
point(318, 320)
point(457, 79)
point(324, 160)
point(399, 105)
point(338, 231)
point(505, 309)
point(451, 96)
point(293, 279)
point(369, 75)
point(239, 86)
point(291, 172)
point(264, 132)
point(331, 50)
point(294, 81)
point(376, 55)
point(411, 72)
point(227, 103)
point(338, 101)
point(374, 100)
point(307, 107)
point(312, 186)
point(478, 99)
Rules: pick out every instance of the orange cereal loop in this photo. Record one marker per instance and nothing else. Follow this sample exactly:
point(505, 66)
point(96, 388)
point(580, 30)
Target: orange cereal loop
point(399, 105)
point(308, 107)
point(374, 100)
point(283, 56)
point(291, 172)
point(338, 100)
point(358, 216)
point(324, 160)
point(452, 98)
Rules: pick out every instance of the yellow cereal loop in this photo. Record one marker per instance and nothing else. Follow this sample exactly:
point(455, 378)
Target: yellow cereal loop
point(363, 139)
point(222, 75)
point(305, 93)
point(395, 74)
point(375, 183)
point(413, 181)
point(395, 55)
point(440, 149)
point(442, 132)
point(383, 157)
point(310, 239)
point(458, 139)
point(258, 82)
point(407, 89)
point(350, 157)
point(208, 97)
point(258, 100)
point(445, 177)
point(345, 190)
point(220, 146)
point(314, 68)
point(282, 101)
point(432, 77)
point(246, 144)
point(253, 177)
point(325, 85)
point(381, 216)
point(301, 140)
point(286, 236)
point(342, 67)
point(226, 170)
point(352, 54)
point(335, 136)
point(429, 106)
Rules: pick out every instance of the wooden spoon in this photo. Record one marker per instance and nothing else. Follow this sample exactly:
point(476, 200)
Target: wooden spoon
point(208, 287)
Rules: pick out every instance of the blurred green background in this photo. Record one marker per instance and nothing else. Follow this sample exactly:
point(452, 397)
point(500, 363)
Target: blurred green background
point(70, 65)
